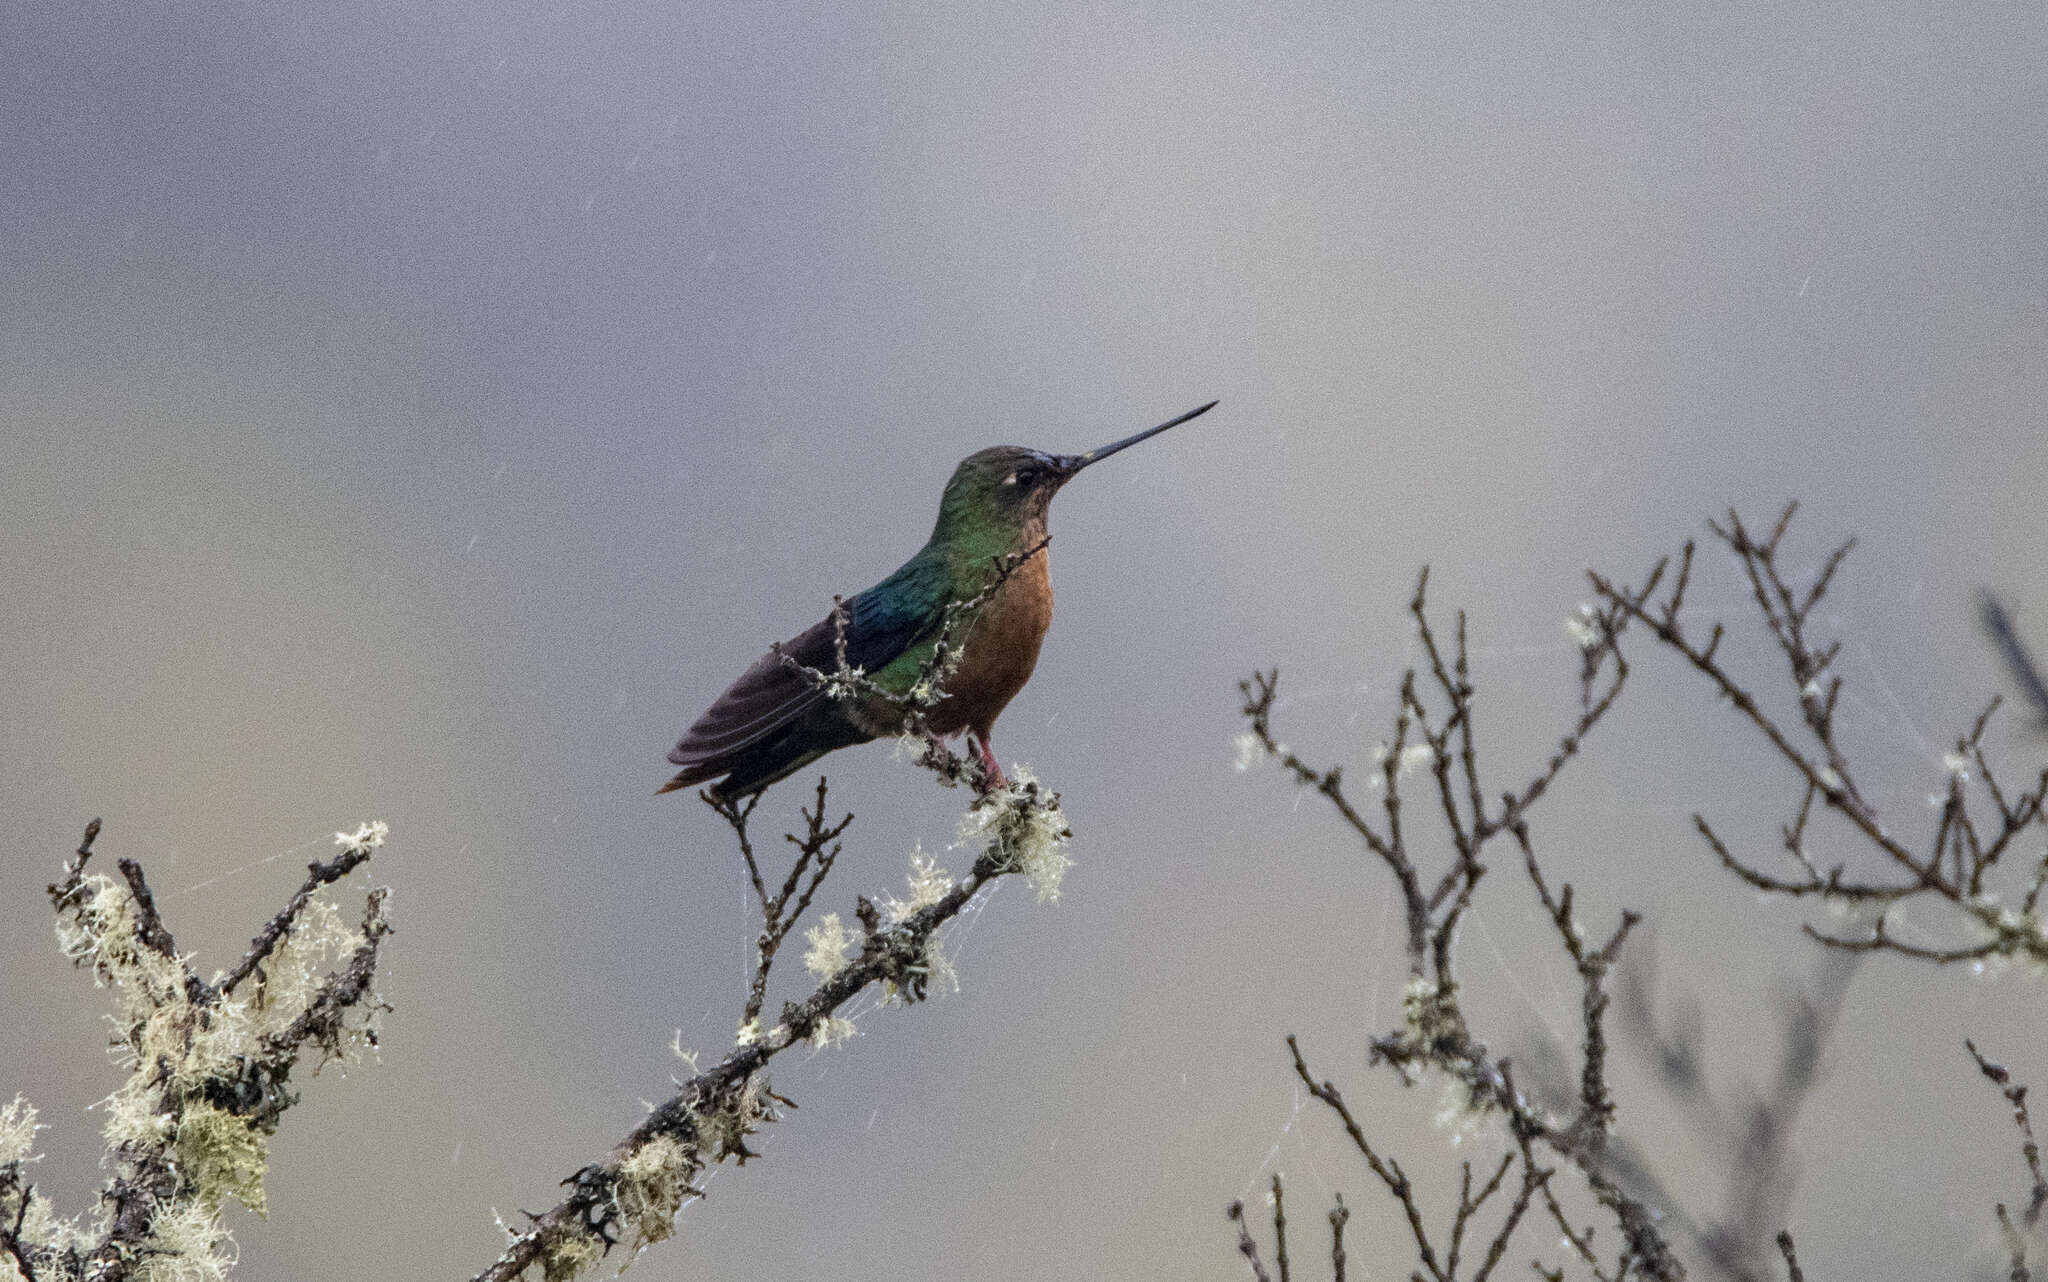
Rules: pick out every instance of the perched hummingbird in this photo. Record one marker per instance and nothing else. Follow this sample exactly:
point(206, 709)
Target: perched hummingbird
point(775, 720)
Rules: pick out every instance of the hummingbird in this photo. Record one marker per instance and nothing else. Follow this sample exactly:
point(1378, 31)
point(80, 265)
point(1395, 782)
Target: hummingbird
point(980, 584)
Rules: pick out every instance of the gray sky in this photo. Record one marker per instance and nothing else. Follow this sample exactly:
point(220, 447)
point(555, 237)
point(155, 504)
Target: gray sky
point(421, 411)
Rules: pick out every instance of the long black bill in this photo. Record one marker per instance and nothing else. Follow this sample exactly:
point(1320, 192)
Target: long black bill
point(1072, 463)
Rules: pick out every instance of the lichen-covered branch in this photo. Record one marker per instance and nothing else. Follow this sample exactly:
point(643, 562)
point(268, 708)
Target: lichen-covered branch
point(209, 1066)
point(632, 1194)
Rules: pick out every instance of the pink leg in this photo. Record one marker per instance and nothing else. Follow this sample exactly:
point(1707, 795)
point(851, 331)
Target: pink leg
point(988, 761)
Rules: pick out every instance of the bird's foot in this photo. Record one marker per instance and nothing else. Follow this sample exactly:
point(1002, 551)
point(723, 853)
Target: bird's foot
point(992, 778)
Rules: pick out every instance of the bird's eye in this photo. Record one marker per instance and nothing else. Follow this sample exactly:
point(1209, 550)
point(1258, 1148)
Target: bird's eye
point(1011, 479)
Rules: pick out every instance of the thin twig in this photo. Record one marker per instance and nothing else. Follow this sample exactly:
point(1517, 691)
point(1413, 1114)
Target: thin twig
point(317, 875)
point(1245, 1245)
point(1792, 1270)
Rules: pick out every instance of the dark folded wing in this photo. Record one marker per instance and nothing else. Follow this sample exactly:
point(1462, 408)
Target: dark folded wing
point(770, 695)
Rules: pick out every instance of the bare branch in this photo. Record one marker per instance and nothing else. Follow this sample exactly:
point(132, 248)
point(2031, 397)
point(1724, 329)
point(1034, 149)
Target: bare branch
point(2016, 1234)
point(1953, 865)
point(1245, 1245)
point(1435, 1036)
point(1792, 1271)
point(2019, 661)
point(1339, 1216)
point(1279, 1228)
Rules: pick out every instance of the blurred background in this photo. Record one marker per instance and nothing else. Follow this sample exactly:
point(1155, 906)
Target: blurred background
point(421, 411)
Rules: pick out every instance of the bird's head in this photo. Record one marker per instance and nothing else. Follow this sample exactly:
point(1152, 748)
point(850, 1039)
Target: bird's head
point(1009, 487)
point(1007, 483)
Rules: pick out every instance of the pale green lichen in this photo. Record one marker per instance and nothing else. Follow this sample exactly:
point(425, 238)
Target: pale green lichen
point(721, 1131)
point(569, 1254)
point(850, 684)
point(217, 1040)
point(154, 1015)
point(934, 971)
point(2013, 933)
point(651, 1185)
point(1250, 750)
point(182, 1042)
point(42, 1236)
point(1462, 1111)
point(829, 940)
point(100, 932)
point(54, 1243)
point(134, 1118)
point(18, 1131)
point(1991, 967)
point(1412, 756)
point(1430, 1022)
point(1024, 827)
point(938, 968)
point(319, 941)
point(175, 1047)
point(1580, 629)
point(928, 885)
point(187, 1243)
point(220, 1156)
point(1424, 1005)
point(832, 1030)
point(368, 836)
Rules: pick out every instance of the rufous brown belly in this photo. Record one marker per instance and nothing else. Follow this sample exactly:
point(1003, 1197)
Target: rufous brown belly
point(998, 652)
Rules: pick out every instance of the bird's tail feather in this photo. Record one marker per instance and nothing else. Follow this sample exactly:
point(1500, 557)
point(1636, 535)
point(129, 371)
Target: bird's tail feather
point(752, 769)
